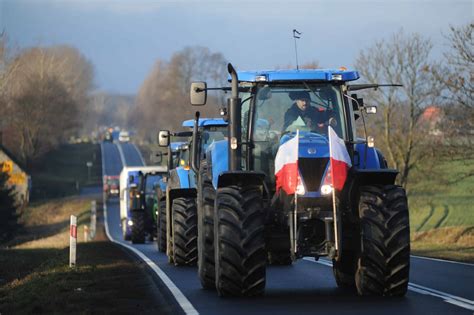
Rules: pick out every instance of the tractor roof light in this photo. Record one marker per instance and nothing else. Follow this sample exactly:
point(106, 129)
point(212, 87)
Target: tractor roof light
point(336, 77)
point(260, 78)
point(326, 189)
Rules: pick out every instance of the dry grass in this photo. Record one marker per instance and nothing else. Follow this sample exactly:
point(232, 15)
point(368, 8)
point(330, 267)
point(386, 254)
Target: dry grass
point(46, 225)
point(452, 243)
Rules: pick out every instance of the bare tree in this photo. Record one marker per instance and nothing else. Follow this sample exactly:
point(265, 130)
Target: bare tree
point(163, 99)
point(44, 114)
point(402, 59)
point(46, 91)
point(457, 77)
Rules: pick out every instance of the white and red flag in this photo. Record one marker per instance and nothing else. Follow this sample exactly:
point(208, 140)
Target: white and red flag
point(286, 166)
point(339, 159)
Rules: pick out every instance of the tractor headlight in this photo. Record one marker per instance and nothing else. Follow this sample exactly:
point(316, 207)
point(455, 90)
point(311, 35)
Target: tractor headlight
point(130, 222)
point(326, 189)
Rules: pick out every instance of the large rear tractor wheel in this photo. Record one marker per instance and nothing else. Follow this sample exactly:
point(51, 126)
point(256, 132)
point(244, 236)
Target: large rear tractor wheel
point(205, 200)
point(384, 262)
point(138, 227)
point(240, 253)
point(161, 227)
point(184, 231)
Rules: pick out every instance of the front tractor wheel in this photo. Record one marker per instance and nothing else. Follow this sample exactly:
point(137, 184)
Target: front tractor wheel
point(206, 263)
point(161, 227)
point(240, 255)
point(384, 262)
point(184, 231)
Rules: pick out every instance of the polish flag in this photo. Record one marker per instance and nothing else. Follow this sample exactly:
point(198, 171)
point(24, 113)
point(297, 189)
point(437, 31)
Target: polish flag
point(339, 158)
point(286, 166)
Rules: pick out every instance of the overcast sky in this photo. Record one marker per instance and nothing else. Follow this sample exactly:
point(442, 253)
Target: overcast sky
point(123, 39)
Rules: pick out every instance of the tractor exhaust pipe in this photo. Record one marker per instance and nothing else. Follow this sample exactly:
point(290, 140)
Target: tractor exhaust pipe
point(235, 128)
point(195, 150)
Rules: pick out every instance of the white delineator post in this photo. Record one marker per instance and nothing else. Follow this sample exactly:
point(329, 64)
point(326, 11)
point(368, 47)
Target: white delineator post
point(72, 241)
point(93, 219)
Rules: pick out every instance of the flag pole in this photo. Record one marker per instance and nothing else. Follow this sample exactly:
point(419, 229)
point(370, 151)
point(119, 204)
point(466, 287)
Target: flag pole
point(334, 208)
point(295, 216)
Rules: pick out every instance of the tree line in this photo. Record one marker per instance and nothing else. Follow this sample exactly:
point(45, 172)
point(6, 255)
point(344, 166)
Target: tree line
point(44, 97)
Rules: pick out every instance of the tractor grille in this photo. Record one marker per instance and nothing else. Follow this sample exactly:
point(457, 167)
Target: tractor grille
point(312, 171)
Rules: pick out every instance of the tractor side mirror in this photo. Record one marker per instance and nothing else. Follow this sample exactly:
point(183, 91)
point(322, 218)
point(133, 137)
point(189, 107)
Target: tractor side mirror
point(371, 109)
point(198, 93)
point(164, 138)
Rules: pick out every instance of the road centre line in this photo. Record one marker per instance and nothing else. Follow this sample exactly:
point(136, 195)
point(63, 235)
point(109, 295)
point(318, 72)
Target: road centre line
point(183, 302)
point(449, 298)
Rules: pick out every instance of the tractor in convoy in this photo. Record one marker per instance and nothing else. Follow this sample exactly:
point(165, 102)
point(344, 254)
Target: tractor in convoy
point(180, 196)
point(251, 213)
point(136, 207)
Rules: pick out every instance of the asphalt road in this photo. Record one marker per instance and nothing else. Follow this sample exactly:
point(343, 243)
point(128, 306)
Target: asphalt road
point(306, 287)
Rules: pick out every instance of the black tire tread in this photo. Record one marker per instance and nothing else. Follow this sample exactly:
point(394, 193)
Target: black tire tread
point(138, 227)
point(184, 231)
point(240, 253)
point(384, 262)
point(205, 201)
point(161, 227)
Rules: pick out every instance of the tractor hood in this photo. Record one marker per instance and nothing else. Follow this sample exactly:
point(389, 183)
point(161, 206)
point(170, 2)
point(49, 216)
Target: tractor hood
point(313, 160)
point(311, 145)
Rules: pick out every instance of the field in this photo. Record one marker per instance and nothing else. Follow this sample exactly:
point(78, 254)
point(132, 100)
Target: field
point(63, 171)
point(442, 213)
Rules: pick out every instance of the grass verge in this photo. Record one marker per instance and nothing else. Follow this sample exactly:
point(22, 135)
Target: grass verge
point(35, 276)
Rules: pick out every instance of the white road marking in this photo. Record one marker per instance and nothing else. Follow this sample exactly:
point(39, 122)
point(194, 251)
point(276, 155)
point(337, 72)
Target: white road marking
point(443, 260)
point(139, 155)
point(449, 298)
point(122, 156)
point(183, 302)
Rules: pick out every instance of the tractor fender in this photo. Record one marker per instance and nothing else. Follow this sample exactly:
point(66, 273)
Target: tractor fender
point(362, 177)
point(240, 178)
point(181, 178)
point(217, 160)
point(371, 161)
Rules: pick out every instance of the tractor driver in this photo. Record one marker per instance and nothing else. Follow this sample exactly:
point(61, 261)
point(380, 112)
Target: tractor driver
point(301, 113)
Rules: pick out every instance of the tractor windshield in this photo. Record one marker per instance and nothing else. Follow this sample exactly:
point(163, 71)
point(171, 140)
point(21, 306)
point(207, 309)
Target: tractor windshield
point(309, 107)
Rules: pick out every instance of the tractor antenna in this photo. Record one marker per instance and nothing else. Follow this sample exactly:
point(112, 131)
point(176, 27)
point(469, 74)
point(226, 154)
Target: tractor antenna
point(296, 35)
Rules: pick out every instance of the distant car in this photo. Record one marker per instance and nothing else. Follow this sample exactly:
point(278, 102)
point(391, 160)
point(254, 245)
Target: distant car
point(111, 186)
point(124, 136)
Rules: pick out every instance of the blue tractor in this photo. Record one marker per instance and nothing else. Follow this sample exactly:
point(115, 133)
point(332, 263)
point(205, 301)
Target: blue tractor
point(246, 222)
point(173, 152)
point(181, 209)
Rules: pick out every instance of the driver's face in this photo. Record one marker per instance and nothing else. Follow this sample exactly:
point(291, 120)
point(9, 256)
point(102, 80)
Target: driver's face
point(302, 103)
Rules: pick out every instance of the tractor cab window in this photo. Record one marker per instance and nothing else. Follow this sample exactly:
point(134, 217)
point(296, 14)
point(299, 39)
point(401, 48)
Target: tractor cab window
point(211, 134)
